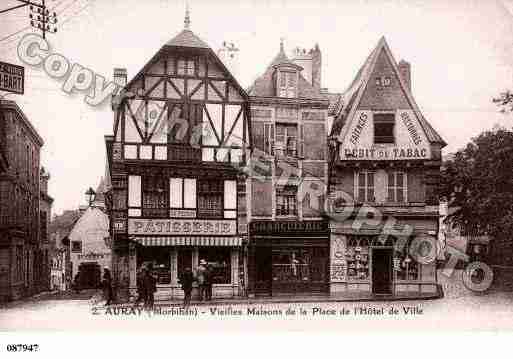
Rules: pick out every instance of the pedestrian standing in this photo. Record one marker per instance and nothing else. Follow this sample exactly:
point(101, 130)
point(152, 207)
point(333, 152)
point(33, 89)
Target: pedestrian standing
point(201, 279)
point(209, 276)
point(186, 279)
point(107, 285)
point(150, 287)
point(141, 290)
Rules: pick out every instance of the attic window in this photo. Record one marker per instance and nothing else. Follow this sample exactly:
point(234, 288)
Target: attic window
point(186, 67)
point(384, 124)
point(287, 84)
point(383, 81)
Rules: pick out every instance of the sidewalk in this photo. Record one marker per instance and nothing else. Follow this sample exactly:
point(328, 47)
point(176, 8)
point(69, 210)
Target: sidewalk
point(334, 298)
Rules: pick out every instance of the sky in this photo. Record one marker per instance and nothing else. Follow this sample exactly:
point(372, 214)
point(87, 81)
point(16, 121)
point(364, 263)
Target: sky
point(460, 52)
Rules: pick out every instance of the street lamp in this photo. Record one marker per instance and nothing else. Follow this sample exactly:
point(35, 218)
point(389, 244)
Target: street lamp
point(90, 196)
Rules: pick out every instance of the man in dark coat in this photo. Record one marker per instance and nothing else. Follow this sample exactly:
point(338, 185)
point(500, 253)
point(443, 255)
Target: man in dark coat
point(150, 287)
point(107, 285)
point(186, 279)
point(209, 274)
point(141, 290)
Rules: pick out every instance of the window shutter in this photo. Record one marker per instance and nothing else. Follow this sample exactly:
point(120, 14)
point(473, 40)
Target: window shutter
point(134, 191)
point(175, 192)
point(189, 193)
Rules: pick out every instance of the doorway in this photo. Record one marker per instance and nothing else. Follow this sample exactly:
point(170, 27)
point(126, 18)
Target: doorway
point(382, 270)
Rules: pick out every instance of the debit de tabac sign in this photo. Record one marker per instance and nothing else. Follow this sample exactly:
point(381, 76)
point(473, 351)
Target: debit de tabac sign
point(12, 78)
point(182, 227)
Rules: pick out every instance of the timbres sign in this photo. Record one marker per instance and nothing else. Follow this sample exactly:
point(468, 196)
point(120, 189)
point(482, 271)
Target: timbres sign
point(12, 78)
point(182, 226)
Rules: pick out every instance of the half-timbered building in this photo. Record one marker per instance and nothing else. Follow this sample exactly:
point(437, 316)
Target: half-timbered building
point(288, 252)
point(384, 184)
point(180, 135)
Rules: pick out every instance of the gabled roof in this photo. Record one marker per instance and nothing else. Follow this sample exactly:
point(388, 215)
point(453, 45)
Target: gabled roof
point(186, 38)
point(264, 85)
point(351, 97)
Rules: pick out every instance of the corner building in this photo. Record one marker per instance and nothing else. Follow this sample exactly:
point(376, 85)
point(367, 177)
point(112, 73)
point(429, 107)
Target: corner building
point(179, 140)
point(387, 162)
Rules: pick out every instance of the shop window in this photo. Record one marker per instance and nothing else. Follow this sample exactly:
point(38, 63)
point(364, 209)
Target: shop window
point(357, 257)
point(155, 195)
point(365, 186)
point(158, 261)
point(286, 201)
point(219, 261)
point(384, 124)
point(186, 67)
point(286, 140)
point(76, 246)
point(287, 84)
point(405, 266)
point(210, 198)
point(397, 187)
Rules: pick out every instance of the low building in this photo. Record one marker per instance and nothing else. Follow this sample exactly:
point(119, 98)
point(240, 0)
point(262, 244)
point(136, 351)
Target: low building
point(89, 243)
point(383, 181)
point(60, 228)
point(20, 246)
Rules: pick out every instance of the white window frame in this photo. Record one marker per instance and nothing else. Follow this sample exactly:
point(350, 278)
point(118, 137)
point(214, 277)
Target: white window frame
point(394, 187)
point(287, 91)
point(366, 186)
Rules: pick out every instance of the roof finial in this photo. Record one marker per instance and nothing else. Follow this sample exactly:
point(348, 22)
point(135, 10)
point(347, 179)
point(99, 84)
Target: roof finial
point(281, 44)
point(187, 20)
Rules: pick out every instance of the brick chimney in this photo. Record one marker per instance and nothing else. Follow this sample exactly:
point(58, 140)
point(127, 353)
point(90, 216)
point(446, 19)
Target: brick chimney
point(405, 71)
point(311, 63)
point(120, 76)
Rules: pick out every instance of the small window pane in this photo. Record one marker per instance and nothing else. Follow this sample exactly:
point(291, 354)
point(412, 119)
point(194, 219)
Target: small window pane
point(399, 180)
point(361, 180)
point(391, 179)
point(400, 197)
point(190, 193)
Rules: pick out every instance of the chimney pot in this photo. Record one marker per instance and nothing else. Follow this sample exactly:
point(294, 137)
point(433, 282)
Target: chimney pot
point(120, 76)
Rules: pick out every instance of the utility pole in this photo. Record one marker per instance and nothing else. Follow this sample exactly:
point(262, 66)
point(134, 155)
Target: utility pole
point(40, 16)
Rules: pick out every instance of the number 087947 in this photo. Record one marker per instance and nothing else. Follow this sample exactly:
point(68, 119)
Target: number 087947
point(22, 347)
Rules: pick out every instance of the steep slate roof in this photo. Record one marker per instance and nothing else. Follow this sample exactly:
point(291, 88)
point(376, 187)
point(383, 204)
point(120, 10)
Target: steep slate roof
point(186, 38)
point(350, 98)
point(264, 85)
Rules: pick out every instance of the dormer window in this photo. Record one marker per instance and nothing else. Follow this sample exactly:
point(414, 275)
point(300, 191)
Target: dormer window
point(287, 84)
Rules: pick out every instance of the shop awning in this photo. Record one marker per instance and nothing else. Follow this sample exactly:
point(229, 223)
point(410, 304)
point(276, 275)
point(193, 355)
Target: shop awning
point(189, 241)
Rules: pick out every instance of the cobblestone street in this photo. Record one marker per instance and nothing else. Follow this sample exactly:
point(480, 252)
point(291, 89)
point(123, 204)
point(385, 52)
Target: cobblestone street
point(459, 309)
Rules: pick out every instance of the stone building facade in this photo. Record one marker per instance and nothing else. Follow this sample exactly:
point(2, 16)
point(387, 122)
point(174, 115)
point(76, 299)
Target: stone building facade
point(20, 243)
point(177, 196)
point(383, 185)
point(288, 250)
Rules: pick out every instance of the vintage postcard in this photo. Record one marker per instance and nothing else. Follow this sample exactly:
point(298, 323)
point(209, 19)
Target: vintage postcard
point(171, 165)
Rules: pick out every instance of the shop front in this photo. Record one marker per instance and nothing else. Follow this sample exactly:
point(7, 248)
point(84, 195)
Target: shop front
point(156, 245)
point(288, 258)
point(372, 264)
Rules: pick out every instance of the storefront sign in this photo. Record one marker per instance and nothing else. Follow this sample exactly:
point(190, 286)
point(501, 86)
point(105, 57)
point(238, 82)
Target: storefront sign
point(12, 78)
point(93, 256)
point(182, 226)
point(404, 153)
point(288, 226)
